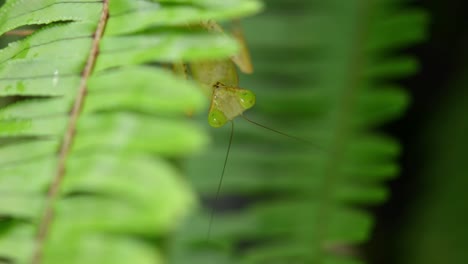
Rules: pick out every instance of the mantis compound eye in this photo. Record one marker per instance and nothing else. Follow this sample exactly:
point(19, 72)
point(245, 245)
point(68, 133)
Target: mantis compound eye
point(246, 98)
point(216, 118)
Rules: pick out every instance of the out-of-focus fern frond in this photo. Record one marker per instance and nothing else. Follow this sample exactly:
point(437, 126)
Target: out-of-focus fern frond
point(326, 71)
point(84, 169)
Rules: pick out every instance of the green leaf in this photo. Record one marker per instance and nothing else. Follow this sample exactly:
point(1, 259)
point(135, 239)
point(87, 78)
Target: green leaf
point(93, 128)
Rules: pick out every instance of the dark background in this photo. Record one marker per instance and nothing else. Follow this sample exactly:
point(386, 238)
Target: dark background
point(428, 205)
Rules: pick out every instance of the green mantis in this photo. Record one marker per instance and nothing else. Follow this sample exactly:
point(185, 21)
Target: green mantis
point(221, 81)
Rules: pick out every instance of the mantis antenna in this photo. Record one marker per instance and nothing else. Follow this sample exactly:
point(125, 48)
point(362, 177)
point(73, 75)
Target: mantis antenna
point(220, 183)
point(278, 132)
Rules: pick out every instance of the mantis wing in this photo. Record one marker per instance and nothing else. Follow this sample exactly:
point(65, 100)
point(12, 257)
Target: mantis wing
point(242, 59)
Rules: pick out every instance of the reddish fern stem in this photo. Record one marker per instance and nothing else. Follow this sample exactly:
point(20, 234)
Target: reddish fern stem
point(67, 142)
point(20, 32)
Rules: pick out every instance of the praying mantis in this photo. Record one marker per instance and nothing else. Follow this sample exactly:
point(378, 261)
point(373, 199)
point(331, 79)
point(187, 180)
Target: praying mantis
point(221, 81)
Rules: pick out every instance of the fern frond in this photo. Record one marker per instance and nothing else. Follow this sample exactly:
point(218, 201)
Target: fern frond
point(86, 171)
point(326, 71)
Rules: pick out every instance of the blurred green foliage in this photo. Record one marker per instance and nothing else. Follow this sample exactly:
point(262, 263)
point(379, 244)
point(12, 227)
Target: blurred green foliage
point(89, 134)
point(326, 72)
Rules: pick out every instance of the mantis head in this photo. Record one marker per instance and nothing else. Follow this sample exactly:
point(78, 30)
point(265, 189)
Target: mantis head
point(229, 103)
